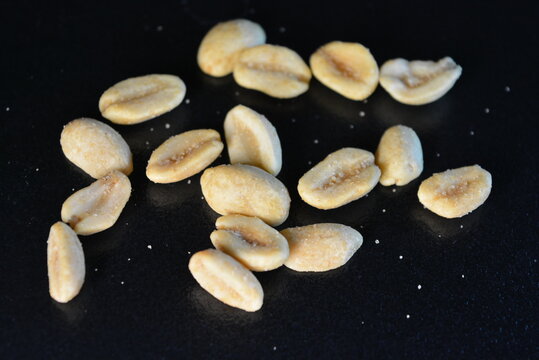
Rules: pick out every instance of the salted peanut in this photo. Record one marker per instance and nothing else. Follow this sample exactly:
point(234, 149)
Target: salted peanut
point(399, 156)
point(65, 263)
point(184, 155)
point(347, 68)
point(249, 240)
point(97, 207)
point(321, 247)
point(141, 98)
point(96, 148)
point(220, 48)
point(274, 70)
point(252, 140)
point(226, 279)
point(419, 82)
point(455, 193)
point(343, 176)
point(246, 190)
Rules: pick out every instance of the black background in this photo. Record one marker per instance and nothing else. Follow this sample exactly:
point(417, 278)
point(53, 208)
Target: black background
point(478, 274)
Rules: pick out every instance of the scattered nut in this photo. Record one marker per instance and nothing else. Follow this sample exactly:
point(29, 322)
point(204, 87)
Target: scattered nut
point(226, 279)
point(399, 156)
point(321, 247)
point(419, 82)
point(249, 240)
point(246, 190)
point(252, 140)
point(220, 48)
point(274, 70)
point(184, 155)
point(96, 148)
point(457, 192)
point(97, 207)
point(347, 68)
point(142, 98)
point(65, 263)
point(343, 176)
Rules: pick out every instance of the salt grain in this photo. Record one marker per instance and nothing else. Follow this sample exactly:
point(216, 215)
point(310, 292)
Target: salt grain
point(418, 287)
point(7, 108)
point(507, 89)
point(462, 276)
point(362, 113)
point(461, 226)
point(394, 190)
point(437, 154)
point(188, 181)
point(202, 197)
point(407, 316)
point(128, 259)
point(122, 282)
point(472, 133)
point(282, 29)
point(293, 120)
point(95, 269)
point(274, 348)
point(315, 141)
point(309, 162)
point(151, 129)
point(383, 210)
point(159, 28)
point(187, 101)
point(167, 126)
point(351, 126)
point(487, 110)
point(149, 247)
point(400, 257)
point(377, 241)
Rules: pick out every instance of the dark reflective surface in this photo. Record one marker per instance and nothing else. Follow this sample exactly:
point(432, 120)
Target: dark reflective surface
point(478, 274)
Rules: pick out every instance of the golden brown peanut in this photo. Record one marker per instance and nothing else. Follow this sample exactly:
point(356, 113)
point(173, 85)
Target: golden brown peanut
point(399, 156)
point(343, 176)
point(274, 70)
point(321, 247)
point(419, 82)
point(97, 207)
point(347, 68)
point(220, 48)
point(141, 98)
point(96, 148)
point(246, 190)
point(226, 279)
point(65, 263)
point(258, 246)
point(184, 155)
point(457, 192)
point(251, 139)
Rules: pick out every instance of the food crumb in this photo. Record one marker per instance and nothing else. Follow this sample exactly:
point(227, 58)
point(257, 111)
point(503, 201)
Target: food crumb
point(187, 101)
point(362, 113)
point(487, 111)
point(149, 247)
point(167, 126)
point(377, 241)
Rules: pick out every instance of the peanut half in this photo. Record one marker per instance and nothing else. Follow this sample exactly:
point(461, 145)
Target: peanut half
point(246, 190)
point(97, 207)
point(65, 263)
point(251, 139)
point(96, 148)
point(399, 156)
point(343, 176)
point(274, 70)
point(226, 279)
point(249, 240)
point(142, 98)
point(321, 247)
point(184, 155)
point(347, 68)
point(220, 48)
point(457, 192)
point(419, 82)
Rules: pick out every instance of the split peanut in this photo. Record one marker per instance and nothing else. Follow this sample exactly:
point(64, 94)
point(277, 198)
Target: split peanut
point(98, 206)
point(142, 98)
point(249, 240)
point(246, 190)
point(321, 247)
point(96, 148)
point(251, 139)
point(457, 192)
point(226, 279)
point(343, 176)
point(184, 155)
point(220, 48)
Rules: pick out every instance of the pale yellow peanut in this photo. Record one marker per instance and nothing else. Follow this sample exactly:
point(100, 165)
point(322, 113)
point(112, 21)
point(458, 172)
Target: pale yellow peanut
point(141, 98)
point(457, 192)
point(226, 279)
point(184, 155)
point(251, 139)
point(246, 190)
point(221, 46)
point(321, 247)
point(274, 70)
point(419, 82)
point(347, 68)
point(399, 156)
point(343, 176)
point(256, 245)
point(65, 263)
point(95, 147)
point(97, 207)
